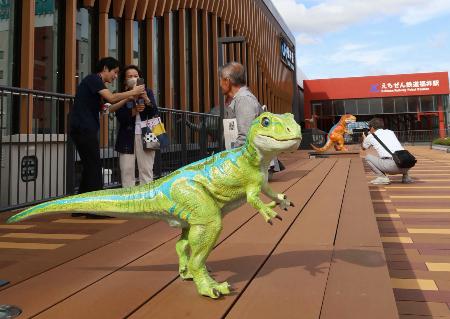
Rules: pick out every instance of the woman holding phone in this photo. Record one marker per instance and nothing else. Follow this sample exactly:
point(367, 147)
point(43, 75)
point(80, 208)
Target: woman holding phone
point(132, 117)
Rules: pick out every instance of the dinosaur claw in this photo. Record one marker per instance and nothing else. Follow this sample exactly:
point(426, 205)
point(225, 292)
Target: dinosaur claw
point(279, 217)
point(291, 204)
point(216, 292)
point(270, 222)
point(285, 209)
point(284, 196)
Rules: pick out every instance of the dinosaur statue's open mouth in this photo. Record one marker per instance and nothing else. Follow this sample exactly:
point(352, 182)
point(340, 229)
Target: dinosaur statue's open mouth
point(282, 140)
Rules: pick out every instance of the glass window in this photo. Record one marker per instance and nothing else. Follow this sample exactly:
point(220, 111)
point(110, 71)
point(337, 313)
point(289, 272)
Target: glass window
point(188, 42)
point(317, 108)
point(46, 37)
point(426, 103)
point(175, 59)
point(200, 62)
point(339, 108)
point(388, 105)
point(143, 28)
point(84, 43)
point(211, 60)
point(445, 102)
point(413, 104)
point(136, 43)
point(327, 108)
point(375, 106)
point(158, 60)
point(7, 32)
point(48, 70)
point(363, 106)
point(400, 105)
point(113, 38)
point(350, 107)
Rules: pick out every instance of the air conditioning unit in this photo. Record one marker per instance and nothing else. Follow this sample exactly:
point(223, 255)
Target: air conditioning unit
point(32, 168)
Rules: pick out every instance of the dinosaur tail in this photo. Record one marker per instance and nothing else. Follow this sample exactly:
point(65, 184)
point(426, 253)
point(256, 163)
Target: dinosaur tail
point(115, 202)
point(324, 148)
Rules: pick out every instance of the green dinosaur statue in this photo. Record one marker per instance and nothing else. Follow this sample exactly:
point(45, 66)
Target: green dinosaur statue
point(197, 196)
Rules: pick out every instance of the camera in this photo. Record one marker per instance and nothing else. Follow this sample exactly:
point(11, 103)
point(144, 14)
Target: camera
point(140, 81)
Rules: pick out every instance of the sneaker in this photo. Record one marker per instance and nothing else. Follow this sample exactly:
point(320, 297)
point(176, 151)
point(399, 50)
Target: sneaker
point(380, 180)
point(407, 180)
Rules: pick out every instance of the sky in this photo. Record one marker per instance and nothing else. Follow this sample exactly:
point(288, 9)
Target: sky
point(344, 38)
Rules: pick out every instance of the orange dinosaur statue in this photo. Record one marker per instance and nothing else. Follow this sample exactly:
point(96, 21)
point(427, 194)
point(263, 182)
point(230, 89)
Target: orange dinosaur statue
point(336, 134)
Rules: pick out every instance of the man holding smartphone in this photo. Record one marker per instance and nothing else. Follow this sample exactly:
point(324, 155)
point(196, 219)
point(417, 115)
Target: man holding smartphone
point(85, 120)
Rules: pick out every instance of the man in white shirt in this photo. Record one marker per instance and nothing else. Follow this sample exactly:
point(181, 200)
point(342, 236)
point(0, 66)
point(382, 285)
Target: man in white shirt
point(383, 164)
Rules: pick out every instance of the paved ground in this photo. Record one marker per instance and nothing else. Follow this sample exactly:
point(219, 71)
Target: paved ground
point(414, 224)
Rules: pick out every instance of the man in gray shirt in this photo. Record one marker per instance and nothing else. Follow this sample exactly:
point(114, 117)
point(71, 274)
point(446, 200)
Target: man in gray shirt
point(244, 105)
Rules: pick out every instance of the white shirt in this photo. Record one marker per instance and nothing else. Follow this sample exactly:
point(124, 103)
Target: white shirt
point(138, 127)
point(388, 138)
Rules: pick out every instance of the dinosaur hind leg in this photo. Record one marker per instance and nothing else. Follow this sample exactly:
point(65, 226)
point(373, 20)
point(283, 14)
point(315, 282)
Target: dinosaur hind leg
point(339, 146)
point(202, 239)
point(182, 248)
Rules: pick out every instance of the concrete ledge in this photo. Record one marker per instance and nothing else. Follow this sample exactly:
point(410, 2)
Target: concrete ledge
point(441, 148)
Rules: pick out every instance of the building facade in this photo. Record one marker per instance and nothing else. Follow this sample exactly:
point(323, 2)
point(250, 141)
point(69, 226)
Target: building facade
point(51, 45)
point(406, 102)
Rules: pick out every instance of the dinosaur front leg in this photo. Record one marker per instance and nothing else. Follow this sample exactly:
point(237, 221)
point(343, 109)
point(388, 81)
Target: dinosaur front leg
point(265, 210)
point(202, 239)
point(182, 248)
point(277, 198)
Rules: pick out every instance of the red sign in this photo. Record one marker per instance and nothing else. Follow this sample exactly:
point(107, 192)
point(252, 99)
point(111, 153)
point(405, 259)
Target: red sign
point(377, 86)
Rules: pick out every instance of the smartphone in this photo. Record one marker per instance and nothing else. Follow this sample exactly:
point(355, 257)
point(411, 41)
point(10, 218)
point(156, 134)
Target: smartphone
point(140, 81)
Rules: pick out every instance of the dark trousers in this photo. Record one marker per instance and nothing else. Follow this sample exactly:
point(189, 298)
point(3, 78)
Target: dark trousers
point(88, 148)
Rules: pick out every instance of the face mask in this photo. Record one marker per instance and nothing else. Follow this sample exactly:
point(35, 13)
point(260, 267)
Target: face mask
point(131, 82)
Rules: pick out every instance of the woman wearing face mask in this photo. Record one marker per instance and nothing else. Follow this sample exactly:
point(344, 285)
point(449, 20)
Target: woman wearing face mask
point(131, 118)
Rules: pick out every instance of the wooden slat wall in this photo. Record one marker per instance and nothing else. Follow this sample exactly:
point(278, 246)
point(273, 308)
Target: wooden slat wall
point(268, 77)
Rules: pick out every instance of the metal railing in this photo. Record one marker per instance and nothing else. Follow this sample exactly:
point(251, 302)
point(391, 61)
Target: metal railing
point(39, 161)
point(405, 137)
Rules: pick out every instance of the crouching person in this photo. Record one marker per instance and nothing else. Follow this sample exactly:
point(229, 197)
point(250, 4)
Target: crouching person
point(383, 164)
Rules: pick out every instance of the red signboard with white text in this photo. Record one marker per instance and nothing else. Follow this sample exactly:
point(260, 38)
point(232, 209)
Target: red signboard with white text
point(377, 86)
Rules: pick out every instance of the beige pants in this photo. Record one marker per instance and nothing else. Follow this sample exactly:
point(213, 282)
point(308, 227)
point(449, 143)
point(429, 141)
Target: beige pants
point(145, 160)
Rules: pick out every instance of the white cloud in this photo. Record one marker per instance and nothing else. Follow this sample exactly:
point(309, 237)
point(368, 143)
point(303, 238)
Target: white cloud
point(332, 15)
point(365, 54)
point(438, 40)
point(306, 39)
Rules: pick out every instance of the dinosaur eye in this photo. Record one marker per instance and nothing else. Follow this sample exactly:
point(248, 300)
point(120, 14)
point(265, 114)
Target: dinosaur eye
point(265, 122)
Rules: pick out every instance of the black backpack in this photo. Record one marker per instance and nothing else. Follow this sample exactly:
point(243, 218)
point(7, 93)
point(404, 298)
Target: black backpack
point(403, 158)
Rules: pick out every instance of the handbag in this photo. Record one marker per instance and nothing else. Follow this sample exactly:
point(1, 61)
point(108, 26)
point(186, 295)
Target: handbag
point(154, 134)
point(402, 158)
point(149, 140)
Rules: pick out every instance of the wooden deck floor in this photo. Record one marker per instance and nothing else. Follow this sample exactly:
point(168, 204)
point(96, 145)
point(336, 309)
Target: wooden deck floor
point(324, 260)
point(414, 222)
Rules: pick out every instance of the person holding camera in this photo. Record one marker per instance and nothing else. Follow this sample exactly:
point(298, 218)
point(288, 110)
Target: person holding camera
point(383, 163)
point(132, 118)
point(85, 120)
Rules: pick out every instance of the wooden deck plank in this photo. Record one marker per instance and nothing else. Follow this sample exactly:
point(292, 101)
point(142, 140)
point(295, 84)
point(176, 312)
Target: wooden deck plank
point(234, 254)
point(357, 210)
point(358, 254)
point(43, 261)
point(296, 273)
point(42, 291)
point(139, 278)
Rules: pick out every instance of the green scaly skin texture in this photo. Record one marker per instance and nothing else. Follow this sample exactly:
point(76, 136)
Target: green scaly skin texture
point(197, 196)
